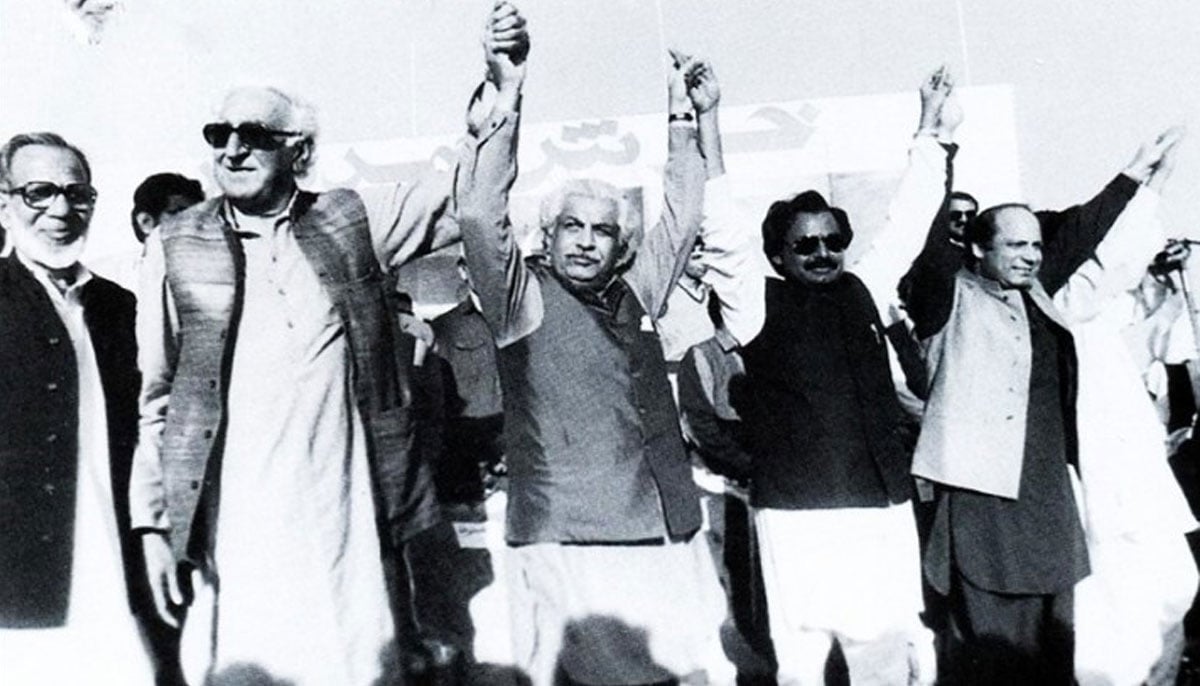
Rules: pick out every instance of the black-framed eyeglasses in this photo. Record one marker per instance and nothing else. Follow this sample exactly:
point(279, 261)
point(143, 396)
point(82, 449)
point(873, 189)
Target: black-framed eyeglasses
point(39, 195)
point(962, 215)
point(251, 134)
point(835, 242)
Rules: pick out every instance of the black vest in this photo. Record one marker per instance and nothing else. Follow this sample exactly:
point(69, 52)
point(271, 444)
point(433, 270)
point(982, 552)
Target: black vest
point(818, 404)
point(39, 410)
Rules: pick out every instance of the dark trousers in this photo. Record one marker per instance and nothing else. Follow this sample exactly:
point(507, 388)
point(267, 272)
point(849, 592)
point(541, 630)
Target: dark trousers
point(994, 638)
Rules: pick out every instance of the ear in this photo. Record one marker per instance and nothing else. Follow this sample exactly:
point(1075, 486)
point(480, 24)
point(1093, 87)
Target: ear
point(776, 260)
point(145, 222)
point(976, 251)
point(304, 155)
point(6, 200)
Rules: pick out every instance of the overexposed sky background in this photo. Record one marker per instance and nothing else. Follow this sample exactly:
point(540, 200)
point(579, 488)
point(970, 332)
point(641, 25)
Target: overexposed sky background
point(1090, 78)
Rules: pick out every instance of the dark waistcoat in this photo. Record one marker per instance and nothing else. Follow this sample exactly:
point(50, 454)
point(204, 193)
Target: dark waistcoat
point(590, 426)
point(818, 404)
point(205, 272)
point(39, 411)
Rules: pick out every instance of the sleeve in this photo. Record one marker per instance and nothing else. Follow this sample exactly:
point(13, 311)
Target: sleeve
point(412, 219)
point(157, 327)
point(1118, 263)
point(509, 295)
point(731, 249)
point(930, 280)
point(1070, 236)
point(912, 209)
point(664, 252)
point(711, 435)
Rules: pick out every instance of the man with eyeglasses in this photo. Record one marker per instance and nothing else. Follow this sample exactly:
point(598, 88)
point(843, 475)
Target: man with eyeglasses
point(829, 476)
point(963, 208)
point(609, 582)
point(67, 432)
point(275, 461)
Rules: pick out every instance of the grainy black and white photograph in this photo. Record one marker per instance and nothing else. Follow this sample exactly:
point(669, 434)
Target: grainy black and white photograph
point(599, 343)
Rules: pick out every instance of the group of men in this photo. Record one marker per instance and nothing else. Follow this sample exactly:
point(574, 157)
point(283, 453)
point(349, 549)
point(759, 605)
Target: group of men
point(233, 450)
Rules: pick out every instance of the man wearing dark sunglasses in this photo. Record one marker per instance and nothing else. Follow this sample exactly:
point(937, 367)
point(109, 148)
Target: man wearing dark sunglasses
point(68, 390)
point(829, 476)
point(276, 447)
point(963, 208)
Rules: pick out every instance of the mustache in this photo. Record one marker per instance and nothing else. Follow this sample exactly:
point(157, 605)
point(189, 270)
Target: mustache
point(820, 263)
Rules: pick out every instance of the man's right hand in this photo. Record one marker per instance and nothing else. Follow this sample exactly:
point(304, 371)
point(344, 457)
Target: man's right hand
point(162, 573)
point(506, 45)
point(934, 93)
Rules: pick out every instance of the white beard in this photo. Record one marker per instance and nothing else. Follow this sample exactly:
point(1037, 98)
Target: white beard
point(49, 255)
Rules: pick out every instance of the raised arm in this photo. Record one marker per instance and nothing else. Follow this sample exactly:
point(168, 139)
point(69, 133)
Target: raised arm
point(412, 219)
point(691, 86)
point(929, 284)
point(508, 292)
point(922, 191)
point(1071, 236)
point(1119, 262)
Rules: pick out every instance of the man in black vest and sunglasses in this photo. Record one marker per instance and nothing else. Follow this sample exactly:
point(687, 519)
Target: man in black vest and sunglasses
point(829, 475)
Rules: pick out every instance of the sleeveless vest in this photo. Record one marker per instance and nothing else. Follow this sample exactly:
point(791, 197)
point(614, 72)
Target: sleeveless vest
point(205, 270)
point(590, 427)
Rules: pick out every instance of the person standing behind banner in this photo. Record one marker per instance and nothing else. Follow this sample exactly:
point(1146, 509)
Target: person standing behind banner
point(829, 478)
point(68, 562)
point(999, 436)
point(609, 582)
point(276, 455)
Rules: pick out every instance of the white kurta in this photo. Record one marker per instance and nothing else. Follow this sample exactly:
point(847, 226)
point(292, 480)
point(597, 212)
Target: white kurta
point(296, 556)
point(1129, 610)
point(100, 643)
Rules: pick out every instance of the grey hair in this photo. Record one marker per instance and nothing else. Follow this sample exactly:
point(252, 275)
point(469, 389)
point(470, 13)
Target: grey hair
point(21, 140)
point(301, 117)
point(628, 222)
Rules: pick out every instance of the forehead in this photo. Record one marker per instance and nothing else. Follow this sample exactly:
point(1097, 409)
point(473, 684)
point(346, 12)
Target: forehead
point(45, 163)
point(812, 224)
point(1017, 225)
point(961, 204)
point(255, 105)
point(593, 210)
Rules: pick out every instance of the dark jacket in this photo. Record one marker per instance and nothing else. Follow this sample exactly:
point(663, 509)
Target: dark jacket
point(817, 402)
point(39, 397)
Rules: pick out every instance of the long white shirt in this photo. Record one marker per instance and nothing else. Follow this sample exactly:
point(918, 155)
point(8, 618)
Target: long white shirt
point(1143, 577)
point(100, 643)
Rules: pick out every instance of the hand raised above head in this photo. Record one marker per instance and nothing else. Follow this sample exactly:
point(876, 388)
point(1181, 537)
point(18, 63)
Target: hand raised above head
point(936, 88)
point(505, 45)
point(702, 87)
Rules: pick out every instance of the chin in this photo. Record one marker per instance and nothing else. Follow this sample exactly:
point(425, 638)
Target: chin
point(53, 256)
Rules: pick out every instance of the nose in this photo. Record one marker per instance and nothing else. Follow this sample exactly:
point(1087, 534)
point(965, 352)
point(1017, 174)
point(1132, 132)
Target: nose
point(59, 207)
point(585, 238)
point(234, 145)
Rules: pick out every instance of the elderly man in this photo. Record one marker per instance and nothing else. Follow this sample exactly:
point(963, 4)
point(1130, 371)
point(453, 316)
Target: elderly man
point(275, 447)
point(67, 432)
point(828, 475)
point(999, 431)
point(602, 511)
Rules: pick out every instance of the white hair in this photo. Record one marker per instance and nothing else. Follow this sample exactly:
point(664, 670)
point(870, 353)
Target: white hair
point(629, 224)
point(300, 115)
